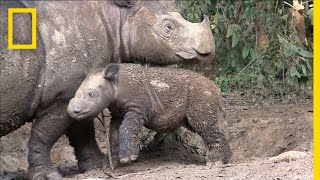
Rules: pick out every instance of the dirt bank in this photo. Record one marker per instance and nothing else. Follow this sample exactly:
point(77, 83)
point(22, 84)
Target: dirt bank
point(258, 131)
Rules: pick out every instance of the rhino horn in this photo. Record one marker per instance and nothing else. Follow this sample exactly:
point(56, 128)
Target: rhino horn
point(206, 19)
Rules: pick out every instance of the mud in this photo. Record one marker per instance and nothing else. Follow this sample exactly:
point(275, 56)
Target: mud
point(269, 140)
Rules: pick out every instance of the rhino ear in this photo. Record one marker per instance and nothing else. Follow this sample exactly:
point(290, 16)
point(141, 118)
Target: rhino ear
point(168, 5)
point(111, 72)
point(125, 3)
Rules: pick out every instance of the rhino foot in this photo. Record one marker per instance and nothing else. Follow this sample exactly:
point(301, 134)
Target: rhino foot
point(44, 175)
point(128, 156)
point(95, 161)
point(219, 153)
point(128, 159)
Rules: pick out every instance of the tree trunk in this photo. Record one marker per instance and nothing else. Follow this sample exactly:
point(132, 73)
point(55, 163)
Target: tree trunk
point(298, 20)
point(262, 40)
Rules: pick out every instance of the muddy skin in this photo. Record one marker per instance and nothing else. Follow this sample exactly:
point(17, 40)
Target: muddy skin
point(74, 37)
point(161, 99)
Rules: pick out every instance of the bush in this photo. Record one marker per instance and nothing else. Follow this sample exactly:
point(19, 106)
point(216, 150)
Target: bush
point(262, 41)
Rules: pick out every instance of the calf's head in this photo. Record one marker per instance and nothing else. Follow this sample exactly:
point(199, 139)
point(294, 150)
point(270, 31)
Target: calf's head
point(154, 33)
point(95, 93)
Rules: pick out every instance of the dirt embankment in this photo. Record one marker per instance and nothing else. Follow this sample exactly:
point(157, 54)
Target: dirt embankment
point(268, 140)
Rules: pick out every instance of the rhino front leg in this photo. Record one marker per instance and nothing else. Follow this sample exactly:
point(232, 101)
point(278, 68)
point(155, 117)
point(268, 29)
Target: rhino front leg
point(129, 136)
point(45, 131)
point(82, 137)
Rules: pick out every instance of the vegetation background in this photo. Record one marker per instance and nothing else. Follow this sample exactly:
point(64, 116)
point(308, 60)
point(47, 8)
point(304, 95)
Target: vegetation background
point(261, 46)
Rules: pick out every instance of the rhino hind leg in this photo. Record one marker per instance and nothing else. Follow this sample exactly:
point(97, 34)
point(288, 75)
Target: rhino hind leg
point(214, 138)
point(82, 137)
point(45, 131)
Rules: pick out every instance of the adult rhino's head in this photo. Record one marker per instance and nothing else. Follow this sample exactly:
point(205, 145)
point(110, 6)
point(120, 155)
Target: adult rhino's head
point(154, 33)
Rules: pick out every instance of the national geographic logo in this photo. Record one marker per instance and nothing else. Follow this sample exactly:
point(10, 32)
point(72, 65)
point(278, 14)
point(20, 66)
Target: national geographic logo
point(33, 13)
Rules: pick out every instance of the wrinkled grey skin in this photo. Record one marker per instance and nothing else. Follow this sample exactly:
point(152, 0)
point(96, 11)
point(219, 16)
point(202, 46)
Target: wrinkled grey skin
point(72, 39)
point(161, 99)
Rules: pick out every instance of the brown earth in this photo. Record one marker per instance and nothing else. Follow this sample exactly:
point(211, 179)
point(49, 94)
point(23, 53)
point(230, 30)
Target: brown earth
point(269, 139)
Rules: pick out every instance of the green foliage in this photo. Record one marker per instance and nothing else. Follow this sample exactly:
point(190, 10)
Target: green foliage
point(280, 61)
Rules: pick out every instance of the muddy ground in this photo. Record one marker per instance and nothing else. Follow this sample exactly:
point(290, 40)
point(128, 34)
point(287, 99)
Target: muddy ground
point(270, 139)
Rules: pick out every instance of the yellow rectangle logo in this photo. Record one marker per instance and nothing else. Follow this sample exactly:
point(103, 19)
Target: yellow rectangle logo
point(33, 12)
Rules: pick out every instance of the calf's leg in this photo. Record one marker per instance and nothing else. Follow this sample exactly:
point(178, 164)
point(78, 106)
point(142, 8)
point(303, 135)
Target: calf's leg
point(202, 116)
point(214, 137)
point(129, 136)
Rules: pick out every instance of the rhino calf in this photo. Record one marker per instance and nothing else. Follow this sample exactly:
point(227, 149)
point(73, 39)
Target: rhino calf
point(160, 99)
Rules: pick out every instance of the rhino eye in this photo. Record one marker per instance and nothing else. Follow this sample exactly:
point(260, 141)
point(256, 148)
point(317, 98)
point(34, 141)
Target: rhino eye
point(168, 28)
point(91, 94)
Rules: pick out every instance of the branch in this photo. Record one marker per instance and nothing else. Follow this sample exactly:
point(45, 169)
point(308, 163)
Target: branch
point(107, 138)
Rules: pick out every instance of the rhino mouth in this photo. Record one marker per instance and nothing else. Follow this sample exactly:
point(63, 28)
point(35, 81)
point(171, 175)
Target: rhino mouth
point(188, 55)
point(82, 115)
point(194, 56)
point(77, 114)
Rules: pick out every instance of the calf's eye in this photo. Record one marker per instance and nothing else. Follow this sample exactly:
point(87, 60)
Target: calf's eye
point(91, 94)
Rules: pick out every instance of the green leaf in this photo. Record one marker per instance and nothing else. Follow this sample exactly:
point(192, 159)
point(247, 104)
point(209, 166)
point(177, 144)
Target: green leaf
point(309, 66)
point(305, 53)
point(310, 15)
point(233, 29)
point(233, 62)
point(291, 49)
point(279, 64)
point(235, 40)
point(294, 72)
point(285, 17)
point(230, 32)
point(252, 53)
point(216, 17)
point(304, 70)
point(282, 40)
point(245, 51)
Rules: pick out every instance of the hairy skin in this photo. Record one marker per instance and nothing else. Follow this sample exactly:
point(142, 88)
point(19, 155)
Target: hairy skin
point(74, 37)
point(161, 99)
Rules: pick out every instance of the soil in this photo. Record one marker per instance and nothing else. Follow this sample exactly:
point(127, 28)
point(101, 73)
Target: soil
point(270, 140)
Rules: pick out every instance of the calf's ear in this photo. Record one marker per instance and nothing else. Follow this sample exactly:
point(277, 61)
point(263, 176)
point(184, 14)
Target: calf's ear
point(111, 72)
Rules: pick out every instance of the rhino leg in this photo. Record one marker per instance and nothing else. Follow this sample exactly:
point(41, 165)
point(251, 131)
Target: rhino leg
point(45, 131)
point(82, 137)
point(214, 137)
point(129, 136)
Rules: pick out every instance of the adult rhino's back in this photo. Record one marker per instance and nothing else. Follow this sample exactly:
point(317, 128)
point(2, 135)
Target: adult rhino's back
point(21, 74)
point(67, 48)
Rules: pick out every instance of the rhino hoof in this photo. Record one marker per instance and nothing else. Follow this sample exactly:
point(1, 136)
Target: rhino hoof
point(128, 159)
point(128, 155)
point(91, 163)
point(124, 160)
point(45, 175)
point(133, 157)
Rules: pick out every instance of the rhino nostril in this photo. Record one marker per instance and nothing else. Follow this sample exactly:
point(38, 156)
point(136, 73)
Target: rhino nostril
point(76, 111)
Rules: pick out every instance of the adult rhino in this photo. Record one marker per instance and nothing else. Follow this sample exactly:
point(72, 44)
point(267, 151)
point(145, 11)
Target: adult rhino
point(74, 37)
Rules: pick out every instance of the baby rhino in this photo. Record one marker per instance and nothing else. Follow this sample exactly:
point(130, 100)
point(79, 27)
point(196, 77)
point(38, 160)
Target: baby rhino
point(160, 99)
